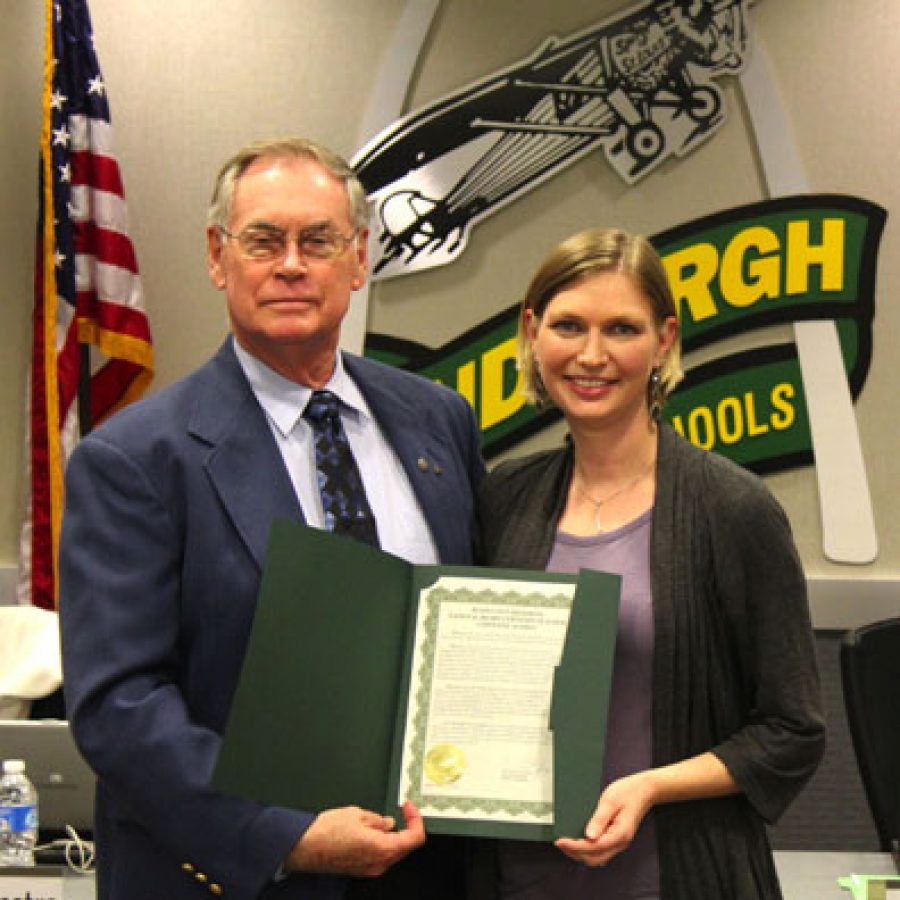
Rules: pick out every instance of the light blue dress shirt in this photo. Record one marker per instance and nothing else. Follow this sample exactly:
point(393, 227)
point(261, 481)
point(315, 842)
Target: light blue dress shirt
point(402, 527)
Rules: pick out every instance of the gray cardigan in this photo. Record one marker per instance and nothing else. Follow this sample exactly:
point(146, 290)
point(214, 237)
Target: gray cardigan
point(734, 667)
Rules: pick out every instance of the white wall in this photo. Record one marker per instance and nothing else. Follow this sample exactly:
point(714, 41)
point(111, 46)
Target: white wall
point(190, 81)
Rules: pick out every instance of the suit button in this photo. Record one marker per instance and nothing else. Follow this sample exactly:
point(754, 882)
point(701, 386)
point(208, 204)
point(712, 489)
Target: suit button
point(201, 877)
point(216, 889)
point(422, 463)
point(187, 867)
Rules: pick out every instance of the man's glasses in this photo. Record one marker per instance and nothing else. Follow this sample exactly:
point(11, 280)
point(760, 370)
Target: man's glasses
point(269, 242)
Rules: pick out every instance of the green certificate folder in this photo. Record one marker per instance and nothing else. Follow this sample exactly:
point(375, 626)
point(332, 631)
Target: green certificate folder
point(369, 680)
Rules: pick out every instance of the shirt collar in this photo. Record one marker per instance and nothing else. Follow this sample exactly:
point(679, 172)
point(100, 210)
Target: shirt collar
point(284, 400)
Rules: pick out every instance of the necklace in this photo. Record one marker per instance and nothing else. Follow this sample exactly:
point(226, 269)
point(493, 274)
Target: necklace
point(625, 487)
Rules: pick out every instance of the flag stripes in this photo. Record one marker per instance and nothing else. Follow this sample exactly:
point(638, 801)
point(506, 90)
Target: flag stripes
point(87, 291)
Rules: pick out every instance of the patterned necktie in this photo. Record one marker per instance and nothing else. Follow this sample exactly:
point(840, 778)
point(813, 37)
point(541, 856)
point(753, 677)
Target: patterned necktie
point(344, 500)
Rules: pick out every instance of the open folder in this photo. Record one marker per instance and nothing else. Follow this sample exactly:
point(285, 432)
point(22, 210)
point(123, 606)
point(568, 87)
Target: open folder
point(480, 694)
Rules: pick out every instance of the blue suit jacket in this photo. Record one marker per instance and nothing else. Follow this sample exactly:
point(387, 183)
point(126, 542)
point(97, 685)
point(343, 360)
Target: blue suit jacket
point(168, 510)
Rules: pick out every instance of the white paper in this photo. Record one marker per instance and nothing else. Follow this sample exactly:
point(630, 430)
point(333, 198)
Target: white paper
point(477, 740)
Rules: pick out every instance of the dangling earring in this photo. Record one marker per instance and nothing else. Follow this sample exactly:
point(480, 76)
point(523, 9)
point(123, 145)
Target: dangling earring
point(540, 392)
point(655, 395)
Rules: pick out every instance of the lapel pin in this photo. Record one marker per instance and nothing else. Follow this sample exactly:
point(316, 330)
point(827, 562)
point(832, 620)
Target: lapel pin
point(424, 465)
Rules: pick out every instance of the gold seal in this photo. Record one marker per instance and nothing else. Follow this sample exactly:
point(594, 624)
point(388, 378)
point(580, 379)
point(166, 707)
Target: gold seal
point(444, 763)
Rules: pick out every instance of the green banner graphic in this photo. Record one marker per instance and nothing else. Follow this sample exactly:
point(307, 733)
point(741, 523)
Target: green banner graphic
point(733, 273)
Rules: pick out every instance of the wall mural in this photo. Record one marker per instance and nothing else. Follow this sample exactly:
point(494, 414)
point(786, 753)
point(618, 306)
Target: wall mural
point(641, 87)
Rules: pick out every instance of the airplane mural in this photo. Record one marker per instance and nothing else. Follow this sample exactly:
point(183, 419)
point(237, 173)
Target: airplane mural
point(639, 85)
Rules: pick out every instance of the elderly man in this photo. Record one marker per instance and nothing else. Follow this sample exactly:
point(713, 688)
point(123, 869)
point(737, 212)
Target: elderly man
point(168, 510)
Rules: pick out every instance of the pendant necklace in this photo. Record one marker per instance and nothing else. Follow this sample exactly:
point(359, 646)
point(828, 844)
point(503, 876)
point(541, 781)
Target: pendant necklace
point(597, 504)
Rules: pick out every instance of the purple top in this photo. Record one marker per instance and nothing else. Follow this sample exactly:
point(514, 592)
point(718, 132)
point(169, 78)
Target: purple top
point(531, 871)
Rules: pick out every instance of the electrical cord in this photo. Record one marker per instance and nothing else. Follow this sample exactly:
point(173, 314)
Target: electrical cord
point(77, 853)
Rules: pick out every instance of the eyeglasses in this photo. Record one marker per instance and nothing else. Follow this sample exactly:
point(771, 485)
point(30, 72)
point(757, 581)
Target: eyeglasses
point(270, 242)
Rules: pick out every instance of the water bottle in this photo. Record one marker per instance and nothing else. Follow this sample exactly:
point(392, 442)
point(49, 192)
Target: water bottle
point(18, 815)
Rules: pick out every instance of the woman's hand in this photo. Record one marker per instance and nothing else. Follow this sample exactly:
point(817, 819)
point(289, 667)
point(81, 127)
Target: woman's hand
point(624, 803)
point(612, 827)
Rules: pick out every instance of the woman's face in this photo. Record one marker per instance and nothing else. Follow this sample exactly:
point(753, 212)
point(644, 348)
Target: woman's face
point(595, 346)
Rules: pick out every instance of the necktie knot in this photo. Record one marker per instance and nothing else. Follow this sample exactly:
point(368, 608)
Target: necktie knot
point(323, 406)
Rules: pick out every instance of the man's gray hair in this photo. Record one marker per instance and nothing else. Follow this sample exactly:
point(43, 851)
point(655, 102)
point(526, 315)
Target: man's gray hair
point(285, 148)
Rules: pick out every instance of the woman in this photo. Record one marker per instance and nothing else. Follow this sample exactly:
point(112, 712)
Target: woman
point(714, 722)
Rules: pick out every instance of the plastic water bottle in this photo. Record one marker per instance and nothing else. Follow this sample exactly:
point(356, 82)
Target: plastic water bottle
point(18, 815)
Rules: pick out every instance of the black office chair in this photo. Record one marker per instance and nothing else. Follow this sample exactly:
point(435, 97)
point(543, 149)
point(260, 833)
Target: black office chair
point(870, 671)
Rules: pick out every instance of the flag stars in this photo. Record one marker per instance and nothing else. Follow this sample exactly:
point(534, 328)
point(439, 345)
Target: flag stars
point(61, 137)
point(58, 100)
point(96, 86)
point(59, 258)
point(65, 173)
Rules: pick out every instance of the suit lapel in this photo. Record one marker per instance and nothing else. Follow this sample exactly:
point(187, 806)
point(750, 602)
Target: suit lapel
point(244, 464)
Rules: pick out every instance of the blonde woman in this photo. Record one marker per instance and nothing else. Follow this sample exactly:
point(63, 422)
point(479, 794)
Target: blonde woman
point(715, 720)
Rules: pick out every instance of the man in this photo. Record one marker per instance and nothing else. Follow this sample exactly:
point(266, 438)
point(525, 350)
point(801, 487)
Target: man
point(168, 511)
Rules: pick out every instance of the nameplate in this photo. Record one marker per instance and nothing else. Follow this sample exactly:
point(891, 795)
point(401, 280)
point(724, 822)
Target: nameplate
point(32, 883)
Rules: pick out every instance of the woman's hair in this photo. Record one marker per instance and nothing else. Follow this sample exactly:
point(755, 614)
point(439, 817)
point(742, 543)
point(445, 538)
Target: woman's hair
point(219, 211)
point(580, 257)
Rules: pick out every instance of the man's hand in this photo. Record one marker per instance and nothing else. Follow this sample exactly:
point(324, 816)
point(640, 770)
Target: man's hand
point(356, 842)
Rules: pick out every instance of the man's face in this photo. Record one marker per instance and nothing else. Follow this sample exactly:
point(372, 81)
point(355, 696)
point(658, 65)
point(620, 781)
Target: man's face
point(287, 311)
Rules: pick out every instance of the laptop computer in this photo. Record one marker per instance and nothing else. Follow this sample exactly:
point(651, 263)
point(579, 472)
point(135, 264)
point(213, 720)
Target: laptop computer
point(65, 784)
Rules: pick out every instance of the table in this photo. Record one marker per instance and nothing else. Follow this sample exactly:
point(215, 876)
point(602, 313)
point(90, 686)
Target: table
point(804, 876)
point(80, 887)
point(814, 876)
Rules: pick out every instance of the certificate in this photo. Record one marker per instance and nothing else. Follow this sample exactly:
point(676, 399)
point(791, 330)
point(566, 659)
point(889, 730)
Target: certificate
point(479, 694)
point(477, 739)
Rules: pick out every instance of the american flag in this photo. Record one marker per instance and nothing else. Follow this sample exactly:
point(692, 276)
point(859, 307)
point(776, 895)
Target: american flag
point(92, 347)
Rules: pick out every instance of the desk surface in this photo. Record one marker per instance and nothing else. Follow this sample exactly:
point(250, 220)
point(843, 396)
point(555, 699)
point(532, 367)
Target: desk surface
point(813, 876)
point(804, 876)
point(79, 887)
